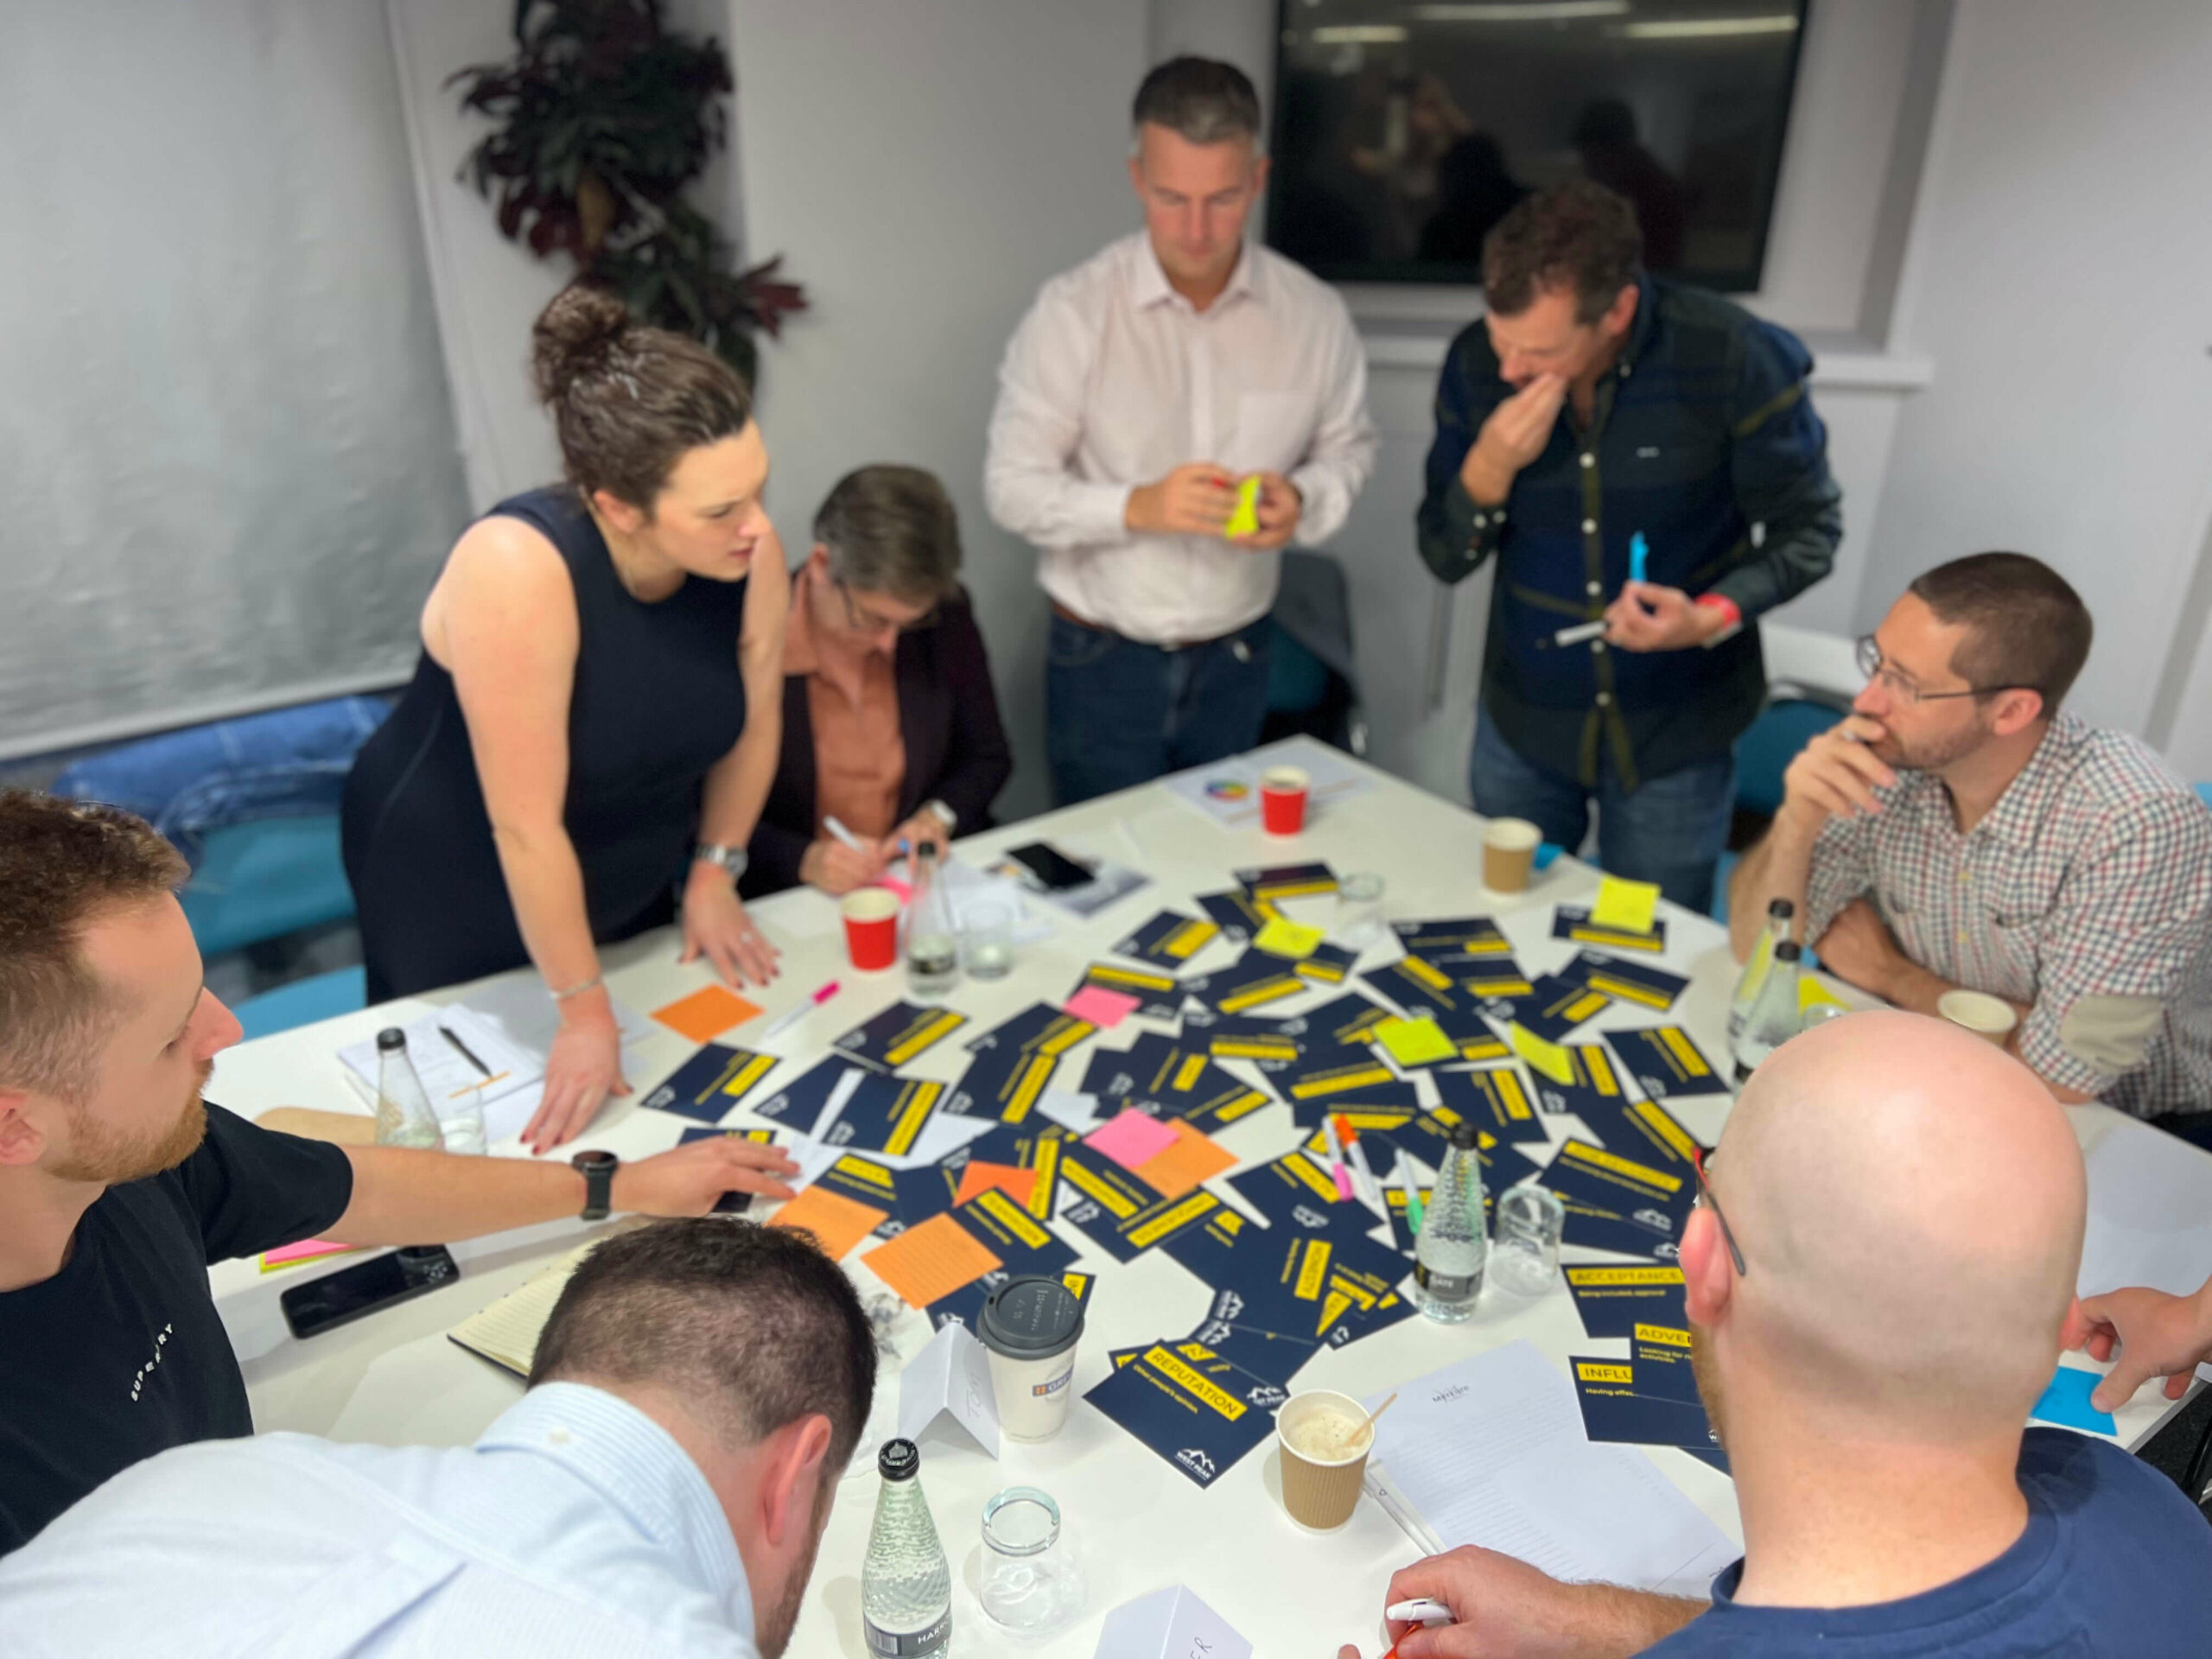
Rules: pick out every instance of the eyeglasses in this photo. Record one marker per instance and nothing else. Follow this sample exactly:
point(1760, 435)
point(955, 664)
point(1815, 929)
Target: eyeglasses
point(867, 621)
point(1727, 1234)
point(1871, 664)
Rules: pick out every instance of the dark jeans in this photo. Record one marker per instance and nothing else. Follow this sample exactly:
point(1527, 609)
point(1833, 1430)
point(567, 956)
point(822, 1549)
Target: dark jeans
point(2196, 1128)
point(1671, 831)
point(1118, 714)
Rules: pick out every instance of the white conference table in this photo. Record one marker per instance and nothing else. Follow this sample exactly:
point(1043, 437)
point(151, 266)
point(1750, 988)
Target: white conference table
point(394, 1379)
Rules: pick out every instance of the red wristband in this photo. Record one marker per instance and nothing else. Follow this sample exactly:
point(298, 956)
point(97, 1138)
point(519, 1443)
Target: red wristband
point(1727, 608)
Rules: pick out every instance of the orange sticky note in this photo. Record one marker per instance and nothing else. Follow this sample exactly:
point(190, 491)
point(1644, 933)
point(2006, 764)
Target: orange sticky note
point(706, 1014)
point(1180, 1168)
point(927, 1263)
point(981, 1176)
point(836, 1222)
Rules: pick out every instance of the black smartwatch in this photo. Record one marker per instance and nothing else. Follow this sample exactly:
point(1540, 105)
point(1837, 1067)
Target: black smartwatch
point(597, 1170)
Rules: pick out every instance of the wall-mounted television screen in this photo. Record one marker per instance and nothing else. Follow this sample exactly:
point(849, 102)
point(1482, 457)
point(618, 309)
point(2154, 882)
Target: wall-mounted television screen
point(1405, 129)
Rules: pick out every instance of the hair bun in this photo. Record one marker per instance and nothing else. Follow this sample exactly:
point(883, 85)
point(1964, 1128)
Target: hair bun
point(572, 336)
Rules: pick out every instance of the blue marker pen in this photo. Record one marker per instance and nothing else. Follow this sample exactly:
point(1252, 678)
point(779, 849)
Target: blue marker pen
point(1639, 551)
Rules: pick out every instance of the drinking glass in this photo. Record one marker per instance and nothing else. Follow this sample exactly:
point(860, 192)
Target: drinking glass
point(1031, 1583)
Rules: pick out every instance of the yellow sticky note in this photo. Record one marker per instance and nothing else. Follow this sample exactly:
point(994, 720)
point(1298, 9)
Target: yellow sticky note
point(1627, 905)
point(1811, 993)
point(1245, 517)
point(1284, 938)
point(1415, 1042)
point(1549, 1059)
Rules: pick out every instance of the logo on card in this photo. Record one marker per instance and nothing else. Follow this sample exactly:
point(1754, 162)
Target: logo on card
point(660, 1098)
point(1082, 1214)
point(840, 1133)
point(1121, 1084)
point(1306, 1218)
point(1666, 1252)
point(1658, 1219)
point(1229, 1305)
point(1196, 1462)
point(1214, 1333)
point(1267, 1396)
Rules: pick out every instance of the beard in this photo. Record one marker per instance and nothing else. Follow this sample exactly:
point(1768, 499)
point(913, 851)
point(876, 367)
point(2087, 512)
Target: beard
point(1707, 1370)
point(1930, 755)
point(103, 1154)
point(772, 1626)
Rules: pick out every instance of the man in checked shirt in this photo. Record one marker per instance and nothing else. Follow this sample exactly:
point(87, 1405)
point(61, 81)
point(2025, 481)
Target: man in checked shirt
point(1958, 830)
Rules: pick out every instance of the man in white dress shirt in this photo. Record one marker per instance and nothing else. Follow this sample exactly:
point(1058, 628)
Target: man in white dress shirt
point(660, 1490)
point(1142, 389)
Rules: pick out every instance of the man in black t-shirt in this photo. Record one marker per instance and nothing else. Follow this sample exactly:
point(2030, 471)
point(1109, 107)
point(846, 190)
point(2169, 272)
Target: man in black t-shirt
point(118, 1185)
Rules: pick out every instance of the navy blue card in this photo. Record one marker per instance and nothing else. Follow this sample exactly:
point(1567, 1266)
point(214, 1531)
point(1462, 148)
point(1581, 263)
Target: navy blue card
point(1297, 1192)
point(1626, 981)
point(1610, 1180)
point(1023, 1244)
point(1393, 1096)
point(797, 1103)
point(903, 1032)
point(1267, 1355)
point(730, 1204)
point(1478, 1042)
point(1223, 1373)
point(1612, 1301)
point(1333, 1285)
point(1667, 1063)
point(1275, 882)
point(1663, 1370)
point(1494, 978)
point(1160, 996)
point(1269, 1044)
point(1643, 1130)
point(910, 1195)
point(1003, 1083)
point(1554, 1006)
point(1418, 987)
point(1573, 922)
point(1040, 1028)
point(1254, 981)
point(1237, 913)
point(1613, 1412)
point(1465, 936)
point(1169, 940)
point(1329, 1073)
point(1593, 1084)
point(885, 1114)
point(1493, 1100)
point(1201, 1428)
point(1325, 964)
point(711, 1082)
point(1645, 1234)
point(1117, 1211)
point(1164, 1077)
point(1345, 1021)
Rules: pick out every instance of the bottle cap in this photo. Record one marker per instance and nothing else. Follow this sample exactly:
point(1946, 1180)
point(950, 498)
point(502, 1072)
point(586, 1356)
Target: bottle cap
point(1463, 1136)
point(389, 1038)
point(1030, 1318)
point(1781, 907)
point(898, 1460)
point(1789, 951)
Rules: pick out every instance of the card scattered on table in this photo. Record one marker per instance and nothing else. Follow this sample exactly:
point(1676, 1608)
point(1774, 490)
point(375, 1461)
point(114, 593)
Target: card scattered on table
point(1613, 1301)
point(1238, 913)
point(1254, 981)
point(1554, 1005)
point(1169, 939)
point(1160, 996)
point(1613, 1412)
point(1174, 1409)
point(706, 1013)
point(1493, 1100)
point(1040, 1028)
point(1278, 881)
point(711, 1082)
point(1666, 1063)
point(1420, 987)
point(1627, 982)
point(1467, 936)
point(885, 1115)
point(1003, 1083)
point(902, 1032)
point(1574, 922)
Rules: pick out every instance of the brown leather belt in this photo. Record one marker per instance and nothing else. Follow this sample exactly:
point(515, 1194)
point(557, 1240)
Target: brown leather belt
point(1067, 615)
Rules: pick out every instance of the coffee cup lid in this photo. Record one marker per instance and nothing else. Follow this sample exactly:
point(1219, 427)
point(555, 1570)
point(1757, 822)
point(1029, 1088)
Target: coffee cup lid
point(1030, 1318)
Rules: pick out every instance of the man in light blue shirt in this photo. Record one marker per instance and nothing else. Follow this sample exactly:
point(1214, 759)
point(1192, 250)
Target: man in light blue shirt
point(660, 1490)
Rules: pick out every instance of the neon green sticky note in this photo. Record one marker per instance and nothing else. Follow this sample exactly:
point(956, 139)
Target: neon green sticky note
point(1284, 938)
point(1415, 1042)
point(1811, 993)
point(1553, 1061)
point(1627, 905)
point(1245, 517)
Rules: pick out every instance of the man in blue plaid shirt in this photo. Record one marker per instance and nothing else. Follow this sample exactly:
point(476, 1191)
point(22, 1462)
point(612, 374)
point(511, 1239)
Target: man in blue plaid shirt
point(1960, 830)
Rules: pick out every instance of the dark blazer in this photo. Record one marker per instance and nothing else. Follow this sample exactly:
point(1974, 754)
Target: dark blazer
point(956, 749)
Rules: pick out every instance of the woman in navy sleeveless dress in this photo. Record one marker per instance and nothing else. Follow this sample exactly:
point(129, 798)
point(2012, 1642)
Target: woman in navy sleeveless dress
point(599, 698)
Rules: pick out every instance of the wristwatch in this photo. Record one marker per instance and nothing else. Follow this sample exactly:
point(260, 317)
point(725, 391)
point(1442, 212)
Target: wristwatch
point(597, 1170)
point(946, 814)
point(730, 859)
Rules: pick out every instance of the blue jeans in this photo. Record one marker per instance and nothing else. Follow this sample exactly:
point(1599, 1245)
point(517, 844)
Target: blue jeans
point(1671, 831)
point(1118, 714)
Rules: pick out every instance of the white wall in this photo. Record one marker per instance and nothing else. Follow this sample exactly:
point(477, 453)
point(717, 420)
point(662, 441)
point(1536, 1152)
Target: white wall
point(2058, 278)
point(923, 169)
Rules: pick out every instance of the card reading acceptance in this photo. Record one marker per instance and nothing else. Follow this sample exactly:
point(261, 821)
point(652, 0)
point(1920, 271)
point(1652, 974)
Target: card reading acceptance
point(1612, 1301)
point(711, 1082)
point(902, 1032)
point(1169, 940)
point(1666, 1064)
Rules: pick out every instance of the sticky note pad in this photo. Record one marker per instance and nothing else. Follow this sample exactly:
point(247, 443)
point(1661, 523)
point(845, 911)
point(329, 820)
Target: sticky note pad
point(2066, 1402)
point(1284, 938)
point(706, 1013)
point(1415, 1042)
point(980, 1176)
point(1102, 1007)
point(1179, 1169)
point(1245, 517)
point(1627, 905)
point(836, 1222)
point(1130, 1138)
point(927, 1262)
point(1550, 1058)
point(308, 1249)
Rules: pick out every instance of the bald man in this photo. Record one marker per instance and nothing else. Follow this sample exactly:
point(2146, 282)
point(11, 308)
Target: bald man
point(1880, 1277)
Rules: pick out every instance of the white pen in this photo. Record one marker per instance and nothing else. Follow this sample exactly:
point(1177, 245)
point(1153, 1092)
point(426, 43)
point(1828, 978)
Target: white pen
point(1577, 634)
point(1370, 1193)
point(842, 834)
point(1420, 1611)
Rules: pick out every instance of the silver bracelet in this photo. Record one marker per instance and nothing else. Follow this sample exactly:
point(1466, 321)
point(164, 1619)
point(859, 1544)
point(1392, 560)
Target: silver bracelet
point(591, 984)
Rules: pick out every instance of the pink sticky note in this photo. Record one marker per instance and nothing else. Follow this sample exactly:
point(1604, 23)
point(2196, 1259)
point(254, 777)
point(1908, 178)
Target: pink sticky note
point(306, 1250)
point(1103, 1008)
point(896, 889)
point(1132, 1138)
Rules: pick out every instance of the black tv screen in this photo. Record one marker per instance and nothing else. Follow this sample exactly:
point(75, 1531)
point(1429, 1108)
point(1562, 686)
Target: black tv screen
point(1405, 129)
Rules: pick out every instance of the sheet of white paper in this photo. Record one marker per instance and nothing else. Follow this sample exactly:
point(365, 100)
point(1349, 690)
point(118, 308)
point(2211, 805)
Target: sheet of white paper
point(1228, 791)
point(1077, 1113)
point(2149, 1213)
point(1170, 1624)
point(942, 1137)
point(1608, 1510)
point(952, 1376)
point(978, 896)
point(840, 1093)
point(812, 1157)
point(445, 1073)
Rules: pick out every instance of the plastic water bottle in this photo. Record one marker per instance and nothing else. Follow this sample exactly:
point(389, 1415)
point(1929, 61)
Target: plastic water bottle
point(905, 1587)
point(1780, 920)
point(403, 1114)
point(1774, 1018)
point(1449, 1253)
point(932, 945)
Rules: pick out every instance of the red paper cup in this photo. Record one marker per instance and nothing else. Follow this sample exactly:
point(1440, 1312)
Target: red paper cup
point(871, 928)
point(1282, 799)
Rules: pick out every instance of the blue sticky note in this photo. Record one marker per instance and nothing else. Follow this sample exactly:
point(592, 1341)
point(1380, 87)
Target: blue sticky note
point(2066, 1402)
point(1639, 551)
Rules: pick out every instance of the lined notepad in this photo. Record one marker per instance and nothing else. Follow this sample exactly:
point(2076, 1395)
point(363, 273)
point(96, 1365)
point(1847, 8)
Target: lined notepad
point(507, 1332)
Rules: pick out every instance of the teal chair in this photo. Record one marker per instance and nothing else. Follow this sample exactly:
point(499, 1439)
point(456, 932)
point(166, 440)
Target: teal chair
point(1789, 721)
point(263, 880)
point(303, 1001)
